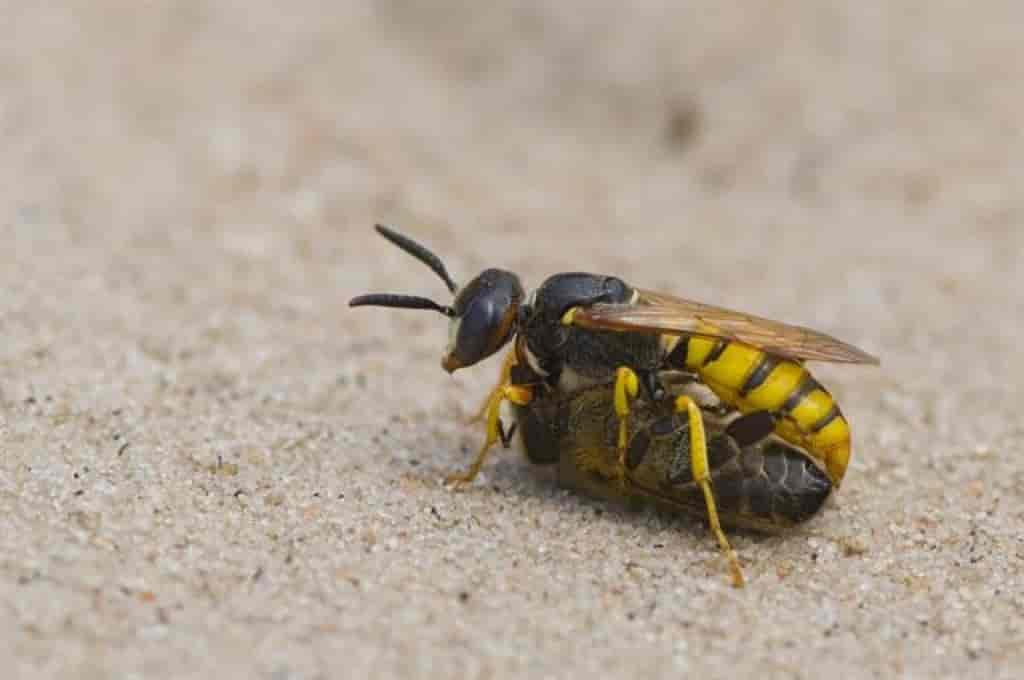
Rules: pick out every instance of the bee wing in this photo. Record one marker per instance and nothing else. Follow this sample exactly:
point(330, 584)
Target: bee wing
point(653, 312)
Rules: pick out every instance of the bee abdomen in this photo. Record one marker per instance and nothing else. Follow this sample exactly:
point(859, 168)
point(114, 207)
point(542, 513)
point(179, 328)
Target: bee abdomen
point(776, 486)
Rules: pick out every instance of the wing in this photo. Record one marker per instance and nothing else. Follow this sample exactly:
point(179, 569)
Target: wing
point(659, 313)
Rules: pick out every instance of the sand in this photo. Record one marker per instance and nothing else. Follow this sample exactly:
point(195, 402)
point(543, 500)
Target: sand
point(210, 465)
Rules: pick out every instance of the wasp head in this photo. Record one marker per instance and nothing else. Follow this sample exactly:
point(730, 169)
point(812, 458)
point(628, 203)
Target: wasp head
point(482, 316)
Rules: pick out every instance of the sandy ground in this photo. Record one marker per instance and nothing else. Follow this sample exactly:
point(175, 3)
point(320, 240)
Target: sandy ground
point(211, 465)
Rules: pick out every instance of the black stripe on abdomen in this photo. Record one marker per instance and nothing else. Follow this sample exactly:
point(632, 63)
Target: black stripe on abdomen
point(807, 386)
point(677, 357)
point(716, 352)
point(832, 414)
point(765, 365)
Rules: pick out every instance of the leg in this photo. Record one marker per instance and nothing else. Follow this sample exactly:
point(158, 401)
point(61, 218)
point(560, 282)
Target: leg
point(503, 379)
point(627, 386)
point(702, 476)
point(517, 394)
point(506, 435)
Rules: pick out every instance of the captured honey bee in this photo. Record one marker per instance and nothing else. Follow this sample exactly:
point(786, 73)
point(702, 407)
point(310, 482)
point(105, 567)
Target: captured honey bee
point(760, 481)
point(581, 330)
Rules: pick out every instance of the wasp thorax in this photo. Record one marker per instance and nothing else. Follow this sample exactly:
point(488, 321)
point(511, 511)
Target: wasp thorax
point(484, 317)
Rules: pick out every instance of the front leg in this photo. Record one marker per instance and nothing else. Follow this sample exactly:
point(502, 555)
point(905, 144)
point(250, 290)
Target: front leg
point(517, 394)
point(504, 378)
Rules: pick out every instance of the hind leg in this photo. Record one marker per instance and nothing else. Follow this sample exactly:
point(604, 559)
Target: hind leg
point(702, 476)
point(626, 388)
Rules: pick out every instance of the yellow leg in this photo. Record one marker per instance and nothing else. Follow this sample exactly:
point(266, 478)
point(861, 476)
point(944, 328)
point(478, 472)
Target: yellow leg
point(702, 476)
point(627, 385)
point(517, 394)
point(503, 379)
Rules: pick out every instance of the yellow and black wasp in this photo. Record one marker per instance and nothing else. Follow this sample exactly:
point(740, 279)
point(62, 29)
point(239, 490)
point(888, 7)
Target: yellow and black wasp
point(579, 330)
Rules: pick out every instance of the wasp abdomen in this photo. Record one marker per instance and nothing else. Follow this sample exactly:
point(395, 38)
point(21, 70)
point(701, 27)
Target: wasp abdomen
point(752, 380)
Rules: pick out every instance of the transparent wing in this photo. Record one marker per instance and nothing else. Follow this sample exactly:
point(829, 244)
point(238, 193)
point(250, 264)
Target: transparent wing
point(659, 313)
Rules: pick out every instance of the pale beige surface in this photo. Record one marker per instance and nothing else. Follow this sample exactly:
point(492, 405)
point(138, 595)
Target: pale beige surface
point(186, 195)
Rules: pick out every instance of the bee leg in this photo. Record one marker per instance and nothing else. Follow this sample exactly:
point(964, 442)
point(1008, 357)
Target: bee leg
point(651, 383)
point(503, 379)
point(627, 386)
point(517, 394)
point(702, 476)
point(506, 436)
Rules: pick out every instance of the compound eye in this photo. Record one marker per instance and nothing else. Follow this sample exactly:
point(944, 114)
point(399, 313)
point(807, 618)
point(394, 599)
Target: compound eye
point(485, 316)
point(616, 290)
point(483, 329)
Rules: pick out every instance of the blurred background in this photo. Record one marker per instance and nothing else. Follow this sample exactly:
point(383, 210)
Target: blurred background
point(187, 194)
point(797, 159)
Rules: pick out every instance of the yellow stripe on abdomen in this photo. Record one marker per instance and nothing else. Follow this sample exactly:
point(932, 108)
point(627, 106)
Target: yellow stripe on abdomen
point(811, 409)
point(732, 366)
point(751, 380)
point(833, 443)
point(777, 388)
point(698, 350)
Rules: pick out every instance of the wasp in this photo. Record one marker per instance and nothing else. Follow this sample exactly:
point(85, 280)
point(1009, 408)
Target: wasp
point(579, 330)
